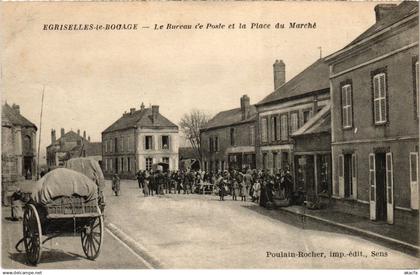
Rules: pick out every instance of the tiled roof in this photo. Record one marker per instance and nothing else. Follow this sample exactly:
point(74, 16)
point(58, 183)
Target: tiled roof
point(313, 78)
point(11, 116)
point(140, 118)
point(231, 117)
point(403, 10)
point(93, 148)
point(71, 136)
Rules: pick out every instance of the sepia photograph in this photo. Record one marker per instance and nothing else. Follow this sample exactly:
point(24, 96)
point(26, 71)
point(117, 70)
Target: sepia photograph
point(211, 135)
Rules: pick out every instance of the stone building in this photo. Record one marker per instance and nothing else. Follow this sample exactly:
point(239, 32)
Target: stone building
point(228, 140)
point(71, 145)
point(283, 112)
point(18, 149)
point(375, 119)
point(137, 140)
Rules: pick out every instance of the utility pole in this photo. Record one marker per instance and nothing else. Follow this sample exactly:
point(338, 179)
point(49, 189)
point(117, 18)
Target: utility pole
point(40, 131)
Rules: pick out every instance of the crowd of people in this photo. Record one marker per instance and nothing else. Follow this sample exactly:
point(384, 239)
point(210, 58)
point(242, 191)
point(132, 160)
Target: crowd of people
point(258, 185)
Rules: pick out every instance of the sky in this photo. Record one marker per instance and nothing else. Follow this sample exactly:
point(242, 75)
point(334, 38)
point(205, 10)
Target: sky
point(91, 77)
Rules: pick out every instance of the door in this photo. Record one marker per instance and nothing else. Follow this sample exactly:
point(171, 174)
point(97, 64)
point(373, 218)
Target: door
point(348, 177)
point(27, 167)
point(389, 189)
point(116, 165)
point(372, 187)
point(381, 186)
point(341, 192)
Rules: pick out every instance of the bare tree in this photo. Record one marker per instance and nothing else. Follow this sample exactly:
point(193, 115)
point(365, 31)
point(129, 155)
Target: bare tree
point(191, 123)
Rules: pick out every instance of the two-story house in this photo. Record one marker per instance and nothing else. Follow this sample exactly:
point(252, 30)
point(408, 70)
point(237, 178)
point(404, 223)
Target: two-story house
point(137, 140)
point(283, 112)
point(375, 118)
point(228, 139)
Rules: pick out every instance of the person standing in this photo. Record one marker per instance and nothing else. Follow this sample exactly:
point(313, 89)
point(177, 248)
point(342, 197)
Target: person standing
point(146, 181)
point(235, 189)
point(221, 184)
point(257, 190)
point(287, 182)
point(116, 184)
point(140, 179)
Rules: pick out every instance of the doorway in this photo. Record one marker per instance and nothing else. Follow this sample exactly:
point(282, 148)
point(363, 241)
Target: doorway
point(380, 167)
point(27, 167)
point(348, 183)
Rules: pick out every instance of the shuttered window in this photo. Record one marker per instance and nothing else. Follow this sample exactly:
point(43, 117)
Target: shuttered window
point(347, 109)
point(251, 135)
point(264, 130)
point(294, 122)
point(379, 98)
point(284, 127)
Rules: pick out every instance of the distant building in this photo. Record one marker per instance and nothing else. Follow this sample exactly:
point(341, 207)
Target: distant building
point(375, 119)
point(18, 149)
point(71, 145)
point(137, 140)
point(228, 139)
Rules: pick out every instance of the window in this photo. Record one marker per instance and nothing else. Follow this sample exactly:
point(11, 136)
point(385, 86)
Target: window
point(130, 144)
point(110, 145)
point(165, 142)
point(27, 143)
point(122, 144)
point(251, 135)
point(379, 98)
point(346, 103)
point(264, 160)
point(211, 144)
point(216, 144)
point(414, 180)
point(274, 134)
point(105, 146)
point(232, 136)
point(110, 164)
point(149, 162)
point(128, 165)
point(116, 145)
point(294, 122)
point(275, 162)
point(264, 130)
point(148, 142)
point(284, 127)
point(306, 116)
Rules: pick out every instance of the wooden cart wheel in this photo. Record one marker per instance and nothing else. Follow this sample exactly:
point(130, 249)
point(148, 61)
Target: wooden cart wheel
point(92, 235)
point(32, 234)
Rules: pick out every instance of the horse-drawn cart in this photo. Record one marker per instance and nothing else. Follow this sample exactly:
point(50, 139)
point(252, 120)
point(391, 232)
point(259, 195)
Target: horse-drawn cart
point(65, 203)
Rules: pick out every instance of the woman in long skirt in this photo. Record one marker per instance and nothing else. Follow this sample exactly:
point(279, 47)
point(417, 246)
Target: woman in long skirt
point(235, 189)
point(146, 188)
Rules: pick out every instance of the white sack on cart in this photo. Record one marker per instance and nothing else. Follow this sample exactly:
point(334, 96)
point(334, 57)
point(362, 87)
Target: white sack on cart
point(63, 182)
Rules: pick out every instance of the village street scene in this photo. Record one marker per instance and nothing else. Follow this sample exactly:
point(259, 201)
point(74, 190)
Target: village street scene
point(319, 171)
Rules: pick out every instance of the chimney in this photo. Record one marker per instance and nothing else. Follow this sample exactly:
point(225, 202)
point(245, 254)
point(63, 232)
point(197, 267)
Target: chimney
point(245, 107)
point(53, 137)
point(132, 110)
point(382, 10)
point(155, 112)
point(78, 132)
point(279, 71)
point(84, 134)
point(16, 108)
point(89, 138)
point(62, 132)
point(142, 106)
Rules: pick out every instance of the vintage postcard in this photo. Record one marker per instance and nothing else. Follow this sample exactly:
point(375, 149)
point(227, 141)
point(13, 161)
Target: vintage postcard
point(209, 135)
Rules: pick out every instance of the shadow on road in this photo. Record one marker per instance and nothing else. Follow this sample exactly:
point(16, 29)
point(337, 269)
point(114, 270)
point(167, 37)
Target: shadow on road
point(47, 256)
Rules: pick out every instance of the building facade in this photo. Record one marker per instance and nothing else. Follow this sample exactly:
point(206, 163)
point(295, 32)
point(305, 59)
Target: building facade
point(18, 149)
point(71, 145)
point(137, 140)
point(285, 111)
point(375, 118)
point(228, 140)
